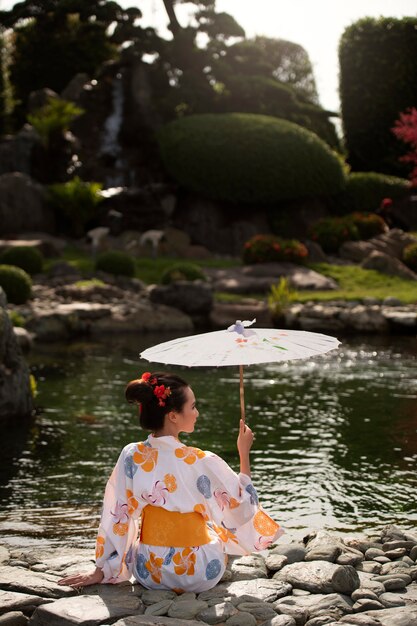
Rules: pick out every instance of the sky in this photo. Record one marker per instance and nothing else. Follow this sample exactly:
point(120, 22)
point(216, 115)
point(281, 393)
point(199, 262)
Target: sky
point(315, 24)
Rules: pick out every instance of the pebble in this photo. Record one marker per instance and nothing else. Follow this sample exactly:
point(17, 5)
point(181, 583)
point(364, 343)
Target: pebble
point(30, 586)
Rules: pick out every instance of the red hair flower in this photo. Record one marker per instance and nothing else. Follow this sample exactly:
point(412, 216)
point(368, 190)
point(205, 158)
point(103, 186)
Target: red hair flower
point(145, 377)
point(162, 392)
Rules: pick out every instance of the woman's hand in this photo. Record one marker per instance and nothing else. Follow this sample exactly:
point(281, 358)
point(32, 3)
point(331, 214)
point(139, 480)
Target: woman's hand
point(83, 580)
point(245, 439)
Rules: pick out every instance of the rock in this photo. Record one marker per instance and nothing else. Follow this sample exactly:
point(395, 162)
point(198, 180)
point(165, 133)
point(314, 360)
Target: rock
point(222, 312)
point(323, 547)
point(381, 559)
point(260, 610)
point(404, 577)
point(16, 151)
point(75, 87)
point(371, 553)
point(413, 553)
point(366, 604)
point(48, 245)
point(394, 545)
point(23, 205)
point(24, 338)
point(267, 590)
point(392, 533)
point(16, 396)
point(356, 251)
point(14, 618)
point(14, 601)
point(391, 600)
point(370, 567)
point(398, 616)
point(249, 567)
point(393, 584)
point(294, 552)
point(4, 555)
point(360, 593)
point(396, 566)
point(321, 620)
point(332, 604)
point(187, 609)
point(193, 298)
point(160, 608)
point(387, 265)
point(408, 561)
point(359, 619)
point(396, 554)
point(280, 620)
point(108, 603)
point(217, 613)
point(320, 577)
point(39, 584)
point(151, 620)
point(241, 619)
point(154, 596)
point(275, 562)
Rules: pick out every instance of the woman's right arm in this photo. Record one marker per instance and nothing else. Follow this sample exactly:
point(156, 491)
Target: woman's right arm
point(83, 580)
point(244, 444)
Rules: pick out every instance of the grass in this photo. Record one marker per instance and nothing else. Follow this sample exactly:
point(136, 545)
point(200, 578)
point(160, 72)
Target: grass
point(355, 283)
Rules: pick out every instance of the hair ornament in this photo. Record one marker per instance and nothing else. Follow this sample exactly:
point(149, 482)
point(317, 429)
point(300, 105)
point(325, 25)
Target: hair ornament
point(160, 391)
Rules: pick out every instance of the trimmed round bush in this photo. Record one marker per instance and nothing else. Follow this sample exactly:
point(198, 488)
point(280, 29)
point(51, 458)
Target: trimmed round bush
point(182, 271)
point(331, 232)
point(16, 284)
point(368, 224)
point(26, 257)
point(366, 190)
point(269, 249)
point(117, 263)
point(249, 158)
point(410, 256)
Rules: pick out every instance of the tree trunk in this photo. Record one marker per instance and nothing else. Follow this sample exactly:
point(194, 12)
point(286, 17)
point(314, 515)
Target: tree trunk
point(174, 24)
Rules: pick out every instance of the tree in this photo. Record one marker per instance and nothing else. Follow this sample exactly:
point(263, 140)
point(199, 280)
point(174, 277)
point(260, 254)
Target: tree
point(378, 66)
point(405, 129)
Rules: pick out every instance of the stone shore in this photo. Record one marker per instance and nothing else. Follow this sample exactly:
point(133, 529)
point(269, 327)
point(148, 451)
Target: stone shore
point(324, 580)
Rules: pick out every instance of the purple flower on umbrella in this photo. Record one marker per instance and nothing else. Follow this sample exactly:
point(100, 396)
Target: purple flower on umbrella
point(239, 327)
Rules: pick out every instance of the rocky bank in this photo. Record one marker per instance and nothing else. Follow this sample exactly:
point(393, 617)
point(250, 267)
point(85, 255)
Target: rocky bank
point(324, 580)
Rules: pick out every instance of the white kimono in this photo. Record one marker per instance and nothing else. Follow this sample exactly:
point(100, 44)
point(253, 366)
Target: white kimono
point(163, 472)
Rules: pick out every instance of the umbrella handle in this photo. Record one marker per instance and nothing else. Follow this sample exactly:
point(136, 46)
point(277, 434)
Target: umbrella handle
point(242, 394)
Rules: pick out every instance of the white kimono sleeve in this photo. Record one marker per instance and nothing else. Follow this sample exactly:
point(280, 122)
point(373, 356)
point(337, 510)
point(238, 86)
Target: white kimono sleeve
point(118, 528)
point(233, 505)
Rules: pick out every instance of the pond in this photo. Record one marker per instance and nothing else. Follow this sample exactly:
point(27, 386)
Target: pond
point(335, 447)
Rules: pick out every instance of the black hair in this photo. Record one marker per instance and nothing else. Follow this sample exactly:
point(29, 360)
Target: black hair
point(152, 414)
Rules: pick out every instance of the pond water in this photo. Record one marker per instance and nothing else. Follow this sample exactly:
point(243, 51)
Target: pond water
point(335, 448)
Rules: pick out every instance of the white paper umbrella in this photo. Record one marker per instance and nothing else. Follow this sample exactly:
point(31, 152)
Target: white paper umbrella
point(240, 345)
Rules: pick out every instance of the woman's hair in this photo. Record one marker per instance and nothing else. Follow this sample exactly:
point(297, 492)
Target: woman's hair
point(154, 407)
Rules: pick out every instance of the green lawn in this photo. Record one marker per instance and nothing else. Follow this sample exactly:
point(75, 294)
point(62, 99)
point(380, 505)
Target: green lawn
point(355, 282)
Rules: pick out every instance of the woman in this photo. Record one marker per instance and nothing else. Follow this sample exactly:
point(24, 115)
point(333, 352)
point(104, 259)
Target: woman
point(193, 509)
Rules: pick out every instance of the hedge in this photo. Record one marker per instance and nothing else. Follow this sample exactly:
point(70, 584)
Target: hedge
point(366, 190)
point(249, 158)
point(378, 66)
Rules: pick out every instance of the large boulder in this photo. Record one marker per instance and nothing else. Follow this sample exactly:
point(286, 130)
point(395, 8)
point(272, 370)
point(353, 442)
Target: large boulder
point(15, 393)
point(194, 298)
point(23, 205)
point(388, 265)
point(391, 243)
point(16, 151)
point(320, 577)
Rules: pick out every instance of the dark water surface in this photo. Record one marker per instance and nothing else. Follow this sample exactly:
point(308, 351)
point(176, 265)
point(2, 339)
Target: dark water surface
point(335, 448)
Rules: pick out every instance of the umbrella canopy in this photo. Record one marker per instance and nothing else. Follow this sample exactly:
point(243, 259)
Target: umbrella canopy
point(240, 345)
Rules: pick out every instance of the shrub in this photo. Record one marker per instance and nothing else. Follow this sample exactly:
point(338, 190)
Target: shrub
point(410, 256)
point(366, 190)
point(54, 117)
point(377, 58)
point(117, 263)
point(249, 158)
point(368, 224)
point(26, 257)
point(331, 232)
point(279, 297)
point(269, 249)
point(76, 200)
point(182, 271)
point(16, 319)
point(16, 284)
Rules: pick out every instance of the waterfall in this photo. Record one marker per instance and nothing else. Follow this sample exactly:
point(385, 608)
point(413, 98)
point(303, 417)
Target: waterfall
point(110, 146)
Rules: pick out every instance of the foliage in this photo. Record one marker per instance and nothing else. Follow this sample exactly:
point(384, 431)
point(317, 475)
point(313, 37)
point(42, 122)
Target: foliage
point(16, 319)
point(76, 201)
point(267, 96)
point(16, 284)
point(249, 158)
point(405, 128)
point(116, 262)
point(33, 386)
point(280, 296)
point(27, 258)
point(182, 271)
point(410, 256)
point(270, 248)
point(331, 232)
point(368, 225)
point(54, 117)
point(88, 284)
point(366, 190)
point(378, 65)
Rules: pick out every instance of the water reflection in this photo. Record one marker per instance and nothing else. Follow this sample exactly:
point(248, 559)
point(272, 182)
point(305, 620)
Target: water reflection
point(336, 436)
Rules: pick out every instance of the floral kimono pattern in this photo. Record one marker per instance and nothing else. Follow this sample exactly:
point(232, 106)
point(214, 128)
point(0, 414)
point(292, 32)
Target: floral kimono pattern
point(163, 472)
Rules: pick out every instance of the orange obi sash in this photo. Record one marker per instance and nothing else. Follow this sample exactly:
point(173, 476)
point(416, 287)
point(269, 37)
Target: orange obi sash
point(173, 529)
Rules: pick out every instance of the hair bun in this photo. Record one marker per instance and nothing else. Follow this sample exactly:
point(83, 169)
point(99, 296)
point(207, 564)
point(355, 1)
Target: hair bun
point(139, 391)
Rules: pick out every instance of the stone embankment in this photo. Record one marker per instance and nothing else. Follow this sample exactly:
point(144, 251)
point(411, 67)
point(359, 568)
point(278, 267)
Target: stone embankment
point(324, 580)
